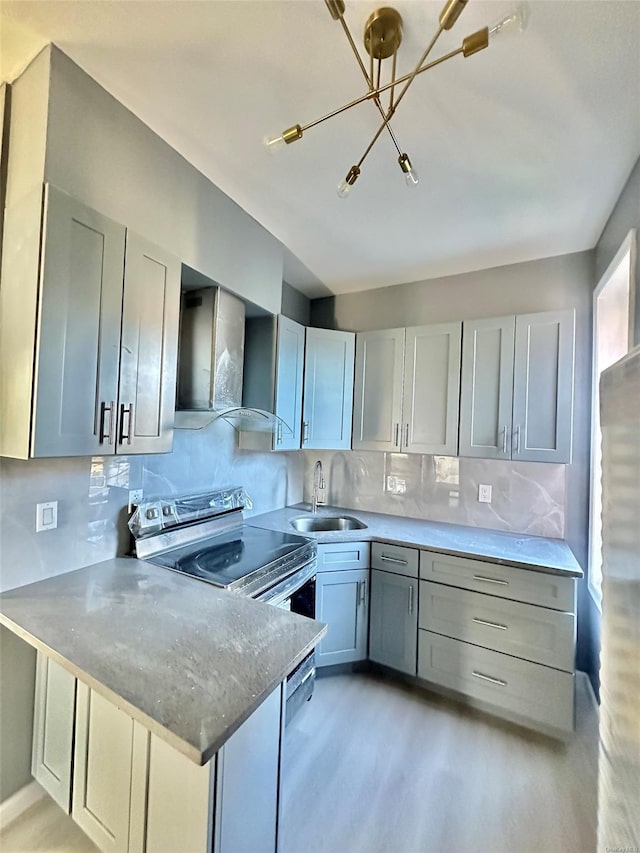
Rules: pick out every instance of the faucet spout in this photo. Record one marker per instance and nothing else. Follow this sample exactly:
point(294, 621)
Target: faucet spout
point(318, 483)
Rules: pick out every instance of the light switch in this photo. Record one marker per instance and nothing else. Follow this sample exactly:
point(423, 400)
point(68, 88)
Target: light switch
point(484, 493)
point(46, 516)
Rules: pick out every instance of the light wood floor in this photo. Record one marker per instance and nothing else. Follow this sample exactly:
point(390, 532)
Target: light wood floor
point(373, 766)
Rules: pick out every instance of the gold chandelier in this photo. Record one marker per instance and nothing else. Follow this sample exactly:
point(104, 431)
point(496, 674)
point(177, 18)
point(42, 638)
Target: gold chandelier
point(382, 38)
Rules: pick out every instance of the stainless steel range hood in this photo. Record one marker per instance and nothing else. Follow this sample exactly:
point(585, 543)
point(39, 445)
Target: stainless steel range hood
point(210, 364)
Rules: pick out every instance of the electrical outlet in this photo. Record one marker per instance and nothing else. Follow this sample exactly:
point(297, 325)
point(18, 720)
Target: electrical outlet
point(135, 497)
point(46, 516)
point(484, 493)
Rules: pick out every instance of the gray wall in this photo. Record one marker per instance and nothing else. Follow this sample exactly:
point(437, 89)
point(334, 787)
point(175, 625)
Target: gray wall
point(295, 305)
point(543, 285)
point(18, 668)
point(104, 156)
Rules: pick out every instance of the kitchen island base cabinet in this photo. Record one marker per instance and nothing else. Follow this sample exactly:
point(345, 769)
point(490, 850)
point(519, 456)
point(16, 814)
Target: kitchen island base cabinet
point(342, 601)
point(393, 625)
point(53, 725)
point(132, 792)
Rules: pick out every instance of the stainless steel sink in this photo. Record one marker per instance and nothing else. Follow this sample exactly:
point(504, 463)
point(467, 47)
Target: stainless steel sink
point(317, 523)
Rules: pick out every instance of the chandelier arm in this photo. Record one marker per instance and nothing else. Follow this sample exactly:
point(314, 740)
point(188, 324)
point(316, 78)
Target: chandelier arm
point(393, 79)
point(411, 77)
point(376, 92)
point(369, 78)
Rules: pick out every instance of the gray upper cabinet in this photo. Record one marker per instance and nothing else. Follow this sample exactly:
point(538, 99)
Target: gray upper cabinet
point(328, 390)
point(377, 406)
point(393, 624)
point(487, 388)
point(289, 376)
point(516, 398)
point(104, 337)
point(543, 387)
point(431, 389)
point(407, 389)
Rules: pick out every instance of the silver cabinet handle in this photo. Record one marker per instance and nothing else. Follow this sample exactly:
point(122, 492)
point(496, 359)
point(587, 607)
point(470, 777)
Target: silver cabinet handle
point(103, 410)
point(504, 440)
point(396, 440)
point(362, 594)
point(279, 433)
point(126, 410)
point(488, 678)
point(518, 438)
point(490, 624)
point(305, 432)
point(395, 560)
point(406, 436)
point(490, 580)
point(410, 599)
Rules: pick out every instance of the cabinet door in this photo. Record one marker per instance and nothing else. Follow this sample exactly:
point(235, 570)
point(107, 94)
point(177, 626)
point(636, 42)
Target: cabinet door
point(247, 783)
point(328, 390)
point(78, 347)
point(377, 406)
point(393, 627)
point(486, 392)
point(543, 387)
point(342, 601)
point(431, 389)
point(179, 802)
point(289, 373)
point(149, 349)
point(102, 771)
point(53, 724)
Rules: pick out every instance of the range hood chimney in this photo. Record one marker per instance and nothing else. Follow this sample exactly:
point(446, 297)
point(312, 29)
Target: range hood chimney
point(210, 363)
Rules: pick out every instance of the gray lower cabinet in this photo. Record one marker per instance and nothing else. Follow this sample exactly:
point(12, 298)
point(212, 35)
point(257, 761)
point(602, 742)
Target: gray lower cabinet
point(342, 601)
point(53, 727)
point(132, 792)
point(89, 335)
point(393, 623)
point(501, 636)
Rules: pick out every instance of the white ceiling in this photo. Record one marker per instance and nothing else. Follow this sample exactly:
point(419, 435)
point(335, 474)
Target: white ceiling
point(522, 149)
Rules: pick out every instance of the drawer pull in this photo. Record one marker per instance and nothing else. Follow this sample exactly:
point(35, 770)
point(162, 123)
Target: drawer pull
point(490, 580)
point(497, 681)
point(395, 560)
point(490, 624)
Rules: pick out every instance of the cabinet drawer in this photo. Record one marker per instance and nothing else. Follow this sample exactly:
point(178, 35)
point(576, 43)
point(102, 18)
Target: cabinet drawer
point(394, 558)
point(516, 686)
point(504, 581)
point(533, 633)
point(340, 556)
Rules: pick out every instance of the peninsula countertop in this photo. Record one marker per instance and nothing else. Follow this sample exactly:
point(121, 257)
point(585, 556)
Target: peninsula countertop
point(189, 661)
point(537, 553)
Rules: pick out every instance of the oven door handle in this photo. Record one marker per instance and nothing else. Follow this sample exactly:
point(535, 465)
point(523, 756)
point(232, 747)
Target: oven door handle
point(284, 589)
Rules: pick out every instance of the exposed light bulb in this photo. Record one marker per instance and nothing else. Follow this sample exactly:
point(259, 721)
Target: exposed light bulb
point(344, 187)
point(412, 179)
point(515, 22)
point(274, 144)
point(410, 174)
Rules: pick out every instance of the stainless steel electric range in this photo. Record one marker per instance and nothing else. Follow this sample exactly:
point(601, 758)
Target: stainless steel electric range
point(204, 536)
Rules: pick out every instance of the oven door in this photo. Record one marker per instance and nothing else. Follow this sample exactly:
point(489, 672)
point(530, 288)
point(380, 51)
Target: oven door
point(281, 592)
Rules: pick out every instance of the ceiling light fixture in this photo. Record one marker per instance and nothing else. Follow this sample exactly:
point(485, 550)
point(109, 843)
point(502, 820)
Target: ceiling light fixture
point(382, 38)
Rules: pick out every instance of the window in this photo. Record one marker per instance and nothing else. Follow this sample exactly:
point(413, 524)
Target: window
point(612, 338)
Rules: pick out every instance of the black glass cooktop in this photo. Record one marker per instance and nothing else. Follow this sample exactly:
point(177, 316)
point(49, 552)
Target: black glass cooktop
point(227, 558)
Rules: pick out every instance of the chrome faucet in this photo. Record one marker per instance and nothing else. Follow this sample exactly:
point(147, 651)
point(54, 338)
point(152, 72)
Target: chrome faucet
point(318, 483)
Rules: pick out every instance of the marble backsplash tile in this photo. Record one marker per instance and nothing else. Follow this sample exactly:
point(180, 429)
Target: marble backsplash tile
point(527, 497)
point(92, 495)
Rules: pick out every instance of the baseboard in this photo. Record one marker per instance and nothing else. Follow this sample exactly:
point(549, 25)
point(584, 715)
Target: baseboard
point(589, 689)
point(19, 802)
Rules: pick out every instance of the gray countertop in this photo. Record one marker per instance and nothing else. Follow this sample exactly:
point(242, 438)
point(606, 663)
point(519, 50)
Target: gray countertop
point(512, 549)
point(187, 660)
